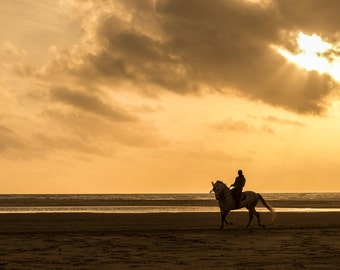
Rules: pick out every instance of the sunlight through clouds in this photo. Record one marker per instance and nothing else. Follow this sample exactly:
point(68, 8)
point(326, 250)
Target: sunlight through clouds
point(162, 95)
point(312, 55)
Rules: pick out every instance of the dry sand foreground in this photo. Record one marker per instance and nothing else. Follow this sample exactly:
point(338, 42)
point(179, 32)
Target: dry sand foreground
point(168, 241)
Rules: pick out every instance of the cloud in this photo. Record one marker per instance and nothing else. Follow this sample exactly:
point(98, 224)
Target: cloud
point(234, 126)
point(14, 60)
point(216, 156)
point(240, 126)
point(103, 133)
point(282, 121)
point(9, 141)
point(90, 103)
point(190, 47)
point(48, 143)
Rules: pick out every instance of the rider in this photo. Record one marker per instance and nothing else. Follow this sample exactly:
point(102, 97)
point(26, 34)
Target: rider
point(238, 186)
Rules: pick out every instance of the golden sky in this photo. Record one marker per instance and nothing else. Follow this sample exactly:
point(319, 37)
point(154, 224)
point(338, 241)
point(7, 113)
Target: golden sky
point(130, 96)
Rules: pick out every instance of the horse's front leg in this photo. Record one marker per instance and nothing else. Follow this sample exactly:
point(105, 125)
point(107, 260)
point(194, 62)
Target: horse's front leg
point(223, 216)
point(224, 219)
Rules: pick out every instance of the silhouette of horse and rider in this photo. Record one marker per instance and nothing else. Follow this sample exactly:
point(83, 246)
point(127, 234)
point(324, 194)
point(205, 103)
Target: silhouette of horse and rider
point(231, 199)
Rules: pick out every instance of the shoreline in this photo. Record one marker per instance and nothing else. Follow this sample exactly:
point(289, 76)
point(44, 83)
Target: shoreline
point(54, 222)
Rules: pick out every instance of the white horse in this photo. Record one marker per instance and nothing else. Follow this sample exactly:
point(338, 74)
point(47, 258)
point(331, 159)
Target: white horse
point(227, 203)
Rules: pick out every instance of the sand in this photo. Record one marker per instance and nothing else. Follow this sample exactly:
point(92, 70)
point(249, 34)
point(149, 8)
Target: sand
point(168, 241)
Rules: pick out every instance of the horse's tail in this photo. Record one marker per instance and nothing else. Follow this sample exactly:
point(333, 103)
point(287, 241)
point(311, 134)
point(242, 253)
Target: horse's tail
point(267, 205)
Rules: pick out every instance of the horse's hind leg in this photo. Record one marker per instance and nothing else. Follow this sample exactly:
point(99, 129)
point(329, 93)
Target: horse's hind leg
point(253, 212)
point(227, 222)
point(251, 215)
point(257, 214)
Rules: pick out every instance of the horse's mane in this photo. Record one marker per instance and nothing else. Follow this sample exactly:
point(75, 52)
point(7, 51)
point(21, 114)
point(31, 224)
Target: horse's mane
point(223, 186)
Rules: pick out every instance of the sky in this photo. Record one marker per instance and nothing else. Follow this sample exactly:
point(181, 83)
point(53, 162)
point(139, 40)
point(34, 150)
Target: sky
point(163, 96)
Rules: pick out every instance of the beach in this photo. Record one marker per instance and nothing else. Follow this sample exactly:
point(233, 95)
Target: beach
point(168, 241)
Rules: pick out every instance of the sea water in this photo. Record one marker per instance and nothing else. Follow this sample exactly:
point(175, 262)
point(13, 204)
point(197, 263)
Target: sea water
point(154, 203)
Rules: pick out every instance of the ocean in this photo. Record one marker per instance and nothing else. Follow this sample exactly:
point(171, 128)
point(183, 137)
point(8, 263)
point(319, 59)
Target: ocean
point(157, 203)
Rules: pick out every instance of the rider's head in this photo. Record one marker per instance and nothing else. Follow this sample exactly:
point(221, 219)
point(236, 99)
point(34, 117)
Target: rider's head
point(239, 172)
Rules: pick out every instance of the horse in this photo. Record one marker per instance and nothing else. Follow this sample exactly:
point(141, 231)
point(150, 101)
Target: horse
point(227, 203)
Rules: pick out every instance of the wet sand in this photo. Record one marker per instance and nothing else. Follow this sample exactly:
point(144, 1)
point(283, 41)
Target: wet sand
point(168, 241)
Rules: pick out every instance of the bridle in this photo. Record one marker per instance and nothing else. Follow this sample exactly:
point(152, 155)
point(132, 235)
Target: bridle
point(222, 191)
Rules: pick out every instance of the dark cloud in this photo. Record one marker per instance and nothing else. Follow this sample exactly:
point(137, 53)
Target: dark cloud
point(90, 103)
point(228, 44)
point(138, 58)
point(190, 46)
point(311, 16)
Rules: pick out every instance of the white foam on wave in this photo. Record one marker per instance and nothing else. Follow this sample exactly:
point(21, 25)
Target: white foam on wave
point(145, 209)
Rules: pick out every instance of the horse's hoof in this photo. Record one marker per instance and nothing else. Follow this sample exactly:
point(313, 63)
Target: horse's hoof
point(220, 228)
point(262, 226)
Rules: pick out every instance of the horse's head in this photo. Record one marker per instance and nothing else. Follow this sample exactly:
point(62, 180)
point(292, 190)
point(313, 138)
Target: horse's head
point(219, 188)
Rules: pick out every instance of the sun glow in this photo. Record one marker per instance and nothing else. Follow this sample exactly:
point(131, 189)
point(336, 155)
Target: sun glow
point(314, 54)
point(312, 44)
